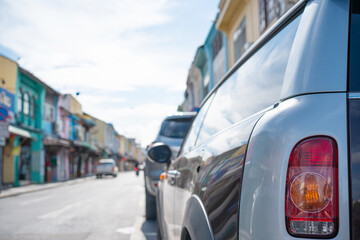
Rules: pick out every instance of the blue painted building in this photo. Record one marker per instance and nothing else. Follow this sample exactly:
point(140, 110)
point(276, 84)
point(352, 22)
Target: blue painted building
point(209, 66)
point(216, 53)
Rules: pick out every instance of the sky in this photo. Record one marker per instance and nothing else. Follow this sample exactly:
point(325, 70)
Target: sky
point(129, 59)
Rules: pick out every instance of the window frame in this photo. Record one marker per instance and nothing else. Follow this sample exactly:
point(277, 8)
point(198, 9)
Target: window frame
point(20, 101)
point(242, 28)
point(33, 107)
point(268, 35)
point(26, 104)
point(209, 98)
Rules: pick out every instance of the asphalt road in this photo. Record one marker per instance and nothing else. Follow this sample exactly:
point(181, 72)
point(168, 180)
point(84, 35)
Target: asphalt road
point(108, 208)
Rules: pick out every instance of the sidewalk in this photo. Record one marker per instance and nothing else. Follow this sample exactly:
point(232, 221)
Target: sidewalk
point(10, 192)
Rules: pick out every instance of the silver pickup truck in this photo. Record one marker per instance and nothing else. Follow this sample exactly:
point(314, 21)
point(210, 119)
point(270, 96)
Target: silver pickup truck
point(106, 167)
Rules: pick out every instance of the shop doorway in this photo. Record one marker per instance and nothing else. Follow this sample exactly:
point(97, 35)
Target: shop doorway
point(25, 162)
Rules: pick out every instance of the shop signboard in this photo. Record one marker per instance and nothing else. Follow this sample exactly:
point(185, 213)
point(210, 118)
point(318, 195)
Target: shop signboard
point(2, 141)
point(4, 129)
point(7, 107)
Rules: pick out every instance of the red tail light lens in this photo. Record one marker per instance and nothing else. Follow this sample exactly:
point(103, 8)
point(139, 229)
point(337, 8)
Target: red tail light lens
point(311, 204)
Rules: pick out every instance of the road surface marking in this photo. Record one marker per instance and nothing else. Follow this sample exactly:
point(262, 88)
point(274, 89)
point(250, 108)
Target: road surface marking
point(126, 230)
point(36, 200)
point(150, 233)
point(57, 213)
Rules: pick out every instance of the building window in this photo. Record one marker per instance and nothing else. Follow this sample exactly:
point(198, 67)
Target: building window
point(269, 10)
point(20, 102)
point(26, 104)
point(49, 113)
point(33, 107)
point(217, 45)
point(239, 40)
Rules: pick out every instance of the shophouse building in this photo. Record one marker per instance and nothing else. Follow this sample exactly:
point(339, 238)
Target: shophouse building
point(238, 25)
point(110, 141)
point(28, 150)
point(47, 137)
point(90, 142)
point(55, 161)
point(193, 92)
point(243, 22)
point(215, 49)
point(122, 145)
point(8, 77)
point(207, 69)
point(63, 133)
point(130, 155)
point(88, 152)
point(82, 154)
point(98, 136)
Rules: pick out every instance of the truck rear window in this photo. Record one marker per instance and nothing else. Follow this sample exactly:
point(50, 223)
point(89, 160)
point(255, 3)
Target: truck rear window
point(175, 128)
point(106, 164)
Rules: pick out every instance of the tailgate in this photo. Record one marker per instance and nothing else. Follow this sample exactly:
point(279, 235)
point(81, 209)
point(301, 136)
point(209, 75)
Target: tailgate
point(104, 168)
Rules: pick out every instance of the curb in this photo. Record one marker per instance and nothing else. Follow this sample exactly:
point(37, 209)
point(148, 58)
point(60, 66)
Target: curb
point(12, 192)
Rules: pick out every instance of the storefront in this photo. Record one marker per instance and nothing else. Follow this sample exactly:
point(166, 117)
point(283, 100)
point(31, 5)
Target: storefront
point(56, 159)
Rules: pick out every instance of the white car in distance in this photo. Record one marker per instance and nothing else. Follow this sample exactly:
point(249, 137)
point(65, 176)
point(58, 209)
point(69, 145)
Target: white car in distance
point(106, 167)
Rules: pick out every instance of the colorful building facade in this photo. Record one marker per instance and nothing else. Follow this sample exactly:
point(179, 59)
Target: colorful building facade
point(49, 138)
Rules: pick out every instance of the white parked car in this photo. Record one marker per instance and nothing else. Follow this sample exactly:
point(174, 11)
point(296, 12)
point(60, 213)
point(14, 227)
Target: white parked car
point(106, 167)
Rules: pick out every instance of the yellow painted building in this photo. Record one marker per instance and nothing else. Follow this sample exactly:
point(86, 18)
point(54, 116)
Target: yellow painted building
point(75, 106)
point(243, 22)
point(239, 20)
point(98, 132)
point(8, 74)
point(123, 141)
point(8, 78)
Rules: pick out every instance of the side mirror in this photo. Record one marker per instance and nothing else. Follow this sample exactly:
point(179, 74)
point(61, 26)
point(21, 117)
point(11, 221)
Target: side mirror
point(160, 152)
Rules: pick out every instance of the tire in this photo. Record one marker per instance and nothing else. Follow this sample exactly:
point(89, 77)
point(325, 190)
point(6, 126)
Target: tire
point(158, 233)
point(150, 206)
point(158, 218)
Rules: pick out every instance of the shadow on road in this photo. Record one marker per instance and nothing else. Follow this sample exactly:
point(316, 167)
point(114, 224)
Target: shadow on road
point(149, 229)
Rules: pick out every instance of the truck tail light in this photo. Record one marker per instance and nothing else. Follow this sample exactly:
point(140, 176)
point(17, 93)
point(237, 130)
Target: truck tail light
point(311, 201)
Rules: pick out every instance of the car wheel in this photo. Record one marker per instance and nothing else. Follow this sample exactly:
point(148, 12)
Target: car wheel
point(114, 175)
point(150, 207)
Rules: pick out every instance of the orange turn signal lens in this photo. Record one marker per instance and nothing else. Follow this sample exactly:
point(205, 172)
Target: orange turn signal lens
point(310, 192)
point(163, 176)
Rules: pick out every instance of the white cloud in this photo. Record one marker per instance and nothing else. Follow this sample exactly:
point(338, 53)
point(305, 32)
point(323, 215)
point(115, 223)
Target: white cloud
point(145, 119)
point(88, 42)
point(109, 46)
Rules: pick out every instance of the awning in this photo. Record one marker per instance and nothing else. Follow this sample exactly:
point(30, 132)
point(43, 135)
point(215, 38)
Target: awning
point(19, 131)
point(52, 141)
point(84, 145)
